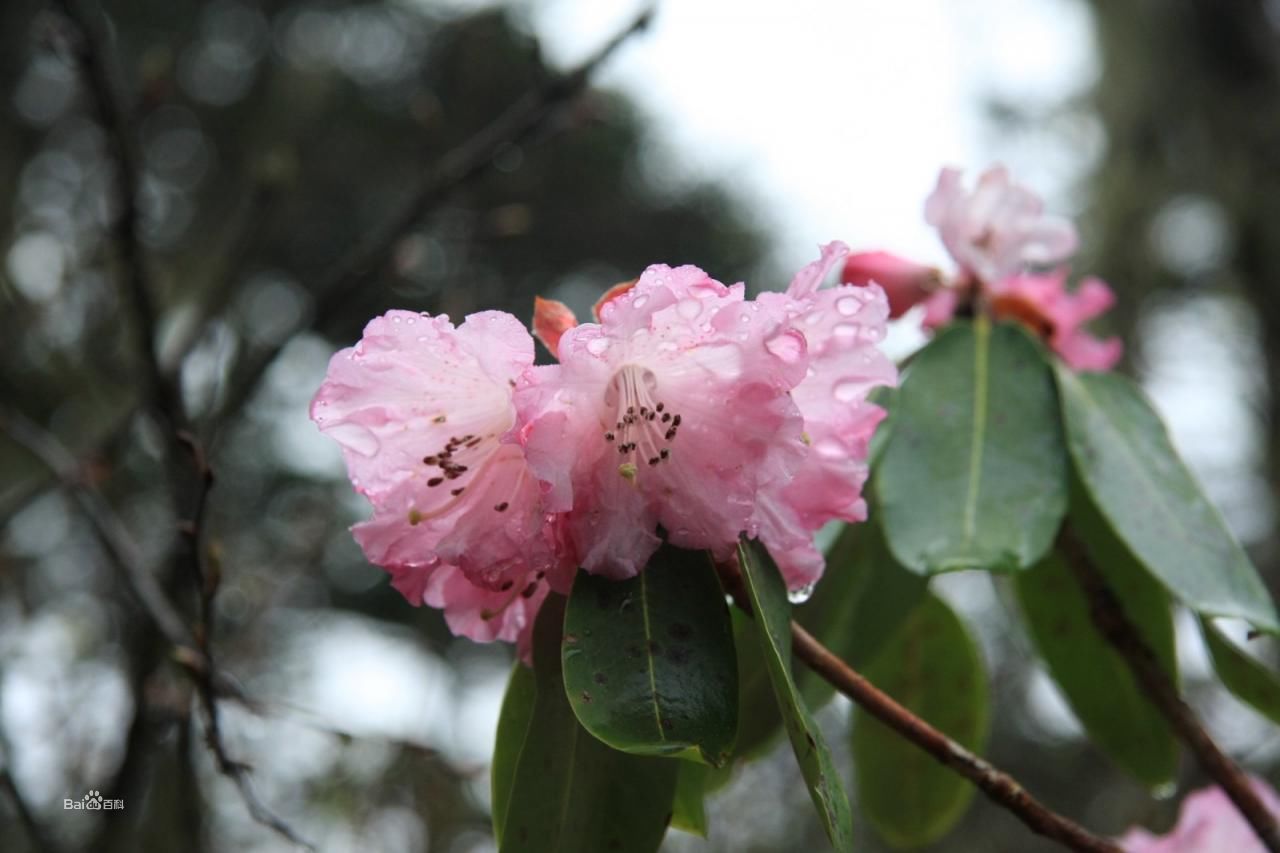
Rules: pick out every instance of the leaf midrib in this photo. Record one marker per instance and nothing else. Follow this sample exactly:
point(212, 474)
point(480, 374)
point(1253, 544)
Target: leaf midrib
point(981, 342)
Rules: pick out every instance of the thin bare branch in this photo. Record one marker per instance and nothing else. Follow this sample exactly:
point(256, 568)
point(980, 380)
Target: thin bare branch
point(1109, 617)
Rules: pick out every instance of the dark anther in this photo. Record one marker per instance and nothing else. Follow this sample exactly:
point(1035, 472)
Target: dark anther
point(502, 507)
point(435, 481)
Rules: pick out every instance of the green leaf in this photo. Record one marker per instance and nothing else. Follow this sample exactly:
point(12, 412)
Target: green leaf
point(759, 719)
point(1242, 674)
point(570, 793)
point(864, 595)
point(931, 666)
point(513, 725)
point(692, 783)
point(649, 661)
point(1150, 500)
point(768, 594)
point(1094, 679)
point(974, 474)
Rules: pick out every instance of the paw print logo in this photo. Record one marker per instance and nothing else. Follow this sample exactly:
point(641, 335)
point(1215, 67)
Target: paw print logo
point(93, 800)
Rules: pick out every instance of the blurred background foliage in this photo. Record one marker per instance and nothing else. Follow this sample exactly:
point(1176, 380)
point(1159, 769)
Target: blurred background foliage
point(274, 136)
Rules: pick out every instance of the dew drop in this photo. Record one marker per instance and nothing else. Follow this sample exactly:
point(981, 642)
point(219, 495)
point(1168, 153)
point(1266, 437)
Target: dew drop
point(848, 305)
point(597, 346)
point(689, 308)
point(847, 390)
point(640, 301)
point(801, 595)
point(789, 346)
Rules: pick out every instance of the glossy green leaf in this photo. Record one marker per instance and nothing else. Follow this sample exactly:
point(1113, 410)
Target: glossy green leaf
point(1127, 464)
point(768, 594)
point(1245, 676)
point(931, 666)
point(864, 595)
point(1094, 679)
point(570, 793)
point(759, 719)
point(649, 661)
point(974, 474)
point(513, 725)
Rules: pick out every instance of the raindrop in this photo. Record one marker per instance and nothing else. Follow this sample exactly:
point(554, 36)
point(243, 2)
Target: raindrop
point(789, 346)
point(597, 346)
point(689, 308)
point(848, 305)
point(848, 390)
point(801, 595)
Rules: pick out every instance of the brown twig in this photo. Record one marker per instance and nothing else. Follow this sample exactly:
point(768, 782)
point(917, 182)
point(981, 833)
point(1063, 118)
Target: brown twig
point(188, 469)
point(1109, 617)
point(999, 786)
point(1002, 788)
point(521, 121)
point(94, 60)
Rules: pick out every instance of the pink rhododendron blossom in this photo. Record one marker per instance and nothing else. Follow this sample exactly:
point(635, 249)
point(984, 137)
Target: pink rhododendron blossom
point(906, 283)
point(997, 229)
point(842, 327)
point(1043, 303)
point(998, 234)
point(422, 411)
point(687, 411)
point(671, 411)
point(1208, 823)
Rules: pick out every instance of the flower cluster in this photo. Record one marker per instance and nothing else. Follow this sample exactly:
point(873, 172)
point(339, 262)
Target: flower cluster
point(687, 411)
point(1001, 240)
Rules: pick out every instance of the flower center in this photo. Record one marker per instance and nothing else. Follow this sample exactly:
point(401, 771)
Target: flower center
point(643, 427)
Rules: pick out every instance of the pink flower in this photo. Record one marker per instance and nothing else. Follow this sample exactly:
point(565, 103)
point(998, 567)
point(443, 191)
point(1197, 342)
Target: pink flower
point(1043, 303)
point(998, 229)
point(670, 412)
point(905, 282)
point(1208, 823)
point(423, 412)
point(842, 327)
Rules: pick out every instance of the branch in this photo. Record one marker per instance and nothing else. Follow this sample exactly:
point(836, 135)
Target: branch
point(999, 786)
point(1109, 617)
point(531, 114)
point(93, 60)
point(107, 527)
point(1002, 788)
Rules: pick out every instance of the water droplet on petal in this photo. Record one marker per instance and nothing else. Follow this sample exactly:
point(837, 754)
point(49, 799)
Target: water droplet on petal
point(848, 390)
point(640, 301)
point(848, 305)
point(597, 346)
point(789, 346)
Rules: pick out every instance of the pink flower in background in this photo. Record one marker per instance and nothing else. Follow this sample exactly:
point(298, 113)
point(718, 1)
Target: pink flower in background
point(1043, 303)
point(997, 229)
point(1208, 823)
point(997, 233)
point(422, 411)
point(842, 327)
point(671, 411)
point(905, 283)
